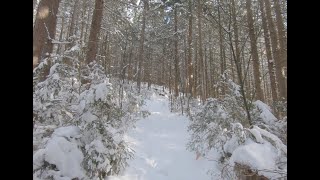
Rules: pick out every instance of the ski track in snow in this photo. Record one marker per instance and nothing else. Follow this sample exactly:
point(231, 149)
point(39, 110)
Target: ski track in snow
point(159, 142)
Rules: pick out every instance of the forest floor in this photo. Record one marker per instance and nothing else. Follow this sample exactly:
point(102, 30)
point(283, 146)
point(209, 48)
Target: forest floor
point(159, 144)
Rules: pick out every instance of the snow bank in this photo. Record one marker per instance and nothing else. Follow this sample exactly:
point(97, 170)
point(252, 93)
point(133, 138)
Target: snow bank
point(263, 156)
point(257, 157)
point(265, 114)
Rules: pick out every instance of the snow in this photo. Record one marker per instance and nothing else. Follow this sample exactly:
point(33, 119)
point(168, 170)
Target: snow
point(262, 156)
point(62, 153)
point(257, 135)
point(66, 156)
point(257, 156)
point(68, 132)
point(278, 143)
point(266, 114)
point(159, 143)
point(99, 147)
point(38, 159)
point(53, 69)
point(81, 106)
point(89, 117)
point(231, 145)
point(101, 91)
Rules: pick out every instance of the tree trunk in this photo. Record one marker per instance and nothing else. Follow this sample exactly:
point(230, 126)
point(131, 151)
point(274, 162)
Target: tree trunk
point(74, 17)
point(212, 70)
point(199, 9)
point(283, 47)
point(61, 35)
point(206, 79)
point(269, 54)
point(176, 63)
point(275, 51)
point(195, 80)
point(190, 68)
point(236, 34)
point(83, 17)
point(140, 57)
point(94, 31)
point(254, 52)
point(222, 50)
point(44, 30)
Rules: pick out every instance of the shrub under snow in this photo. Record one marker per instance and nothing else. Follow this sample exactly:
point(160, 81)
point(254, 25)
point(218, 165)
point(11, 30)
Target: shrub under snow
point(78, 131)
point(220, 125)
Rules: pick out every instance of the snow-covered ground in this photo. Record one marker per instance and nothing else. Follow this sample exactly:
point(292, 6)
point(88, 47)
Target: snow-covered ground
point(159, 142)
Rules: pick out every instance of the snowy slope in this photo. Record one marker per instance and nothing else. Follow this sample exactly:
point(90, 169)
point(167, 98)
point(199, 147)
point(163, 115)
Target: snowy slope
point(159, 144)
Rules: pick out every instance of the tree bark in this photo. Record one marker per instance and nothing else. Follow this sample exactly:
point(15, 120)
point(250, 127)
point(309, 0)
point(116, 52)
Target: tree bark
point(74, 17)
point(199, 9)
point(269, 54)
point(94, 31)
point(275, 51)
point(236, 34)
point(176, 63)
point(44, 30)
point(221, 48)
point(283, 47)
point(190, 66)
point(141, 50)
point(254, 52)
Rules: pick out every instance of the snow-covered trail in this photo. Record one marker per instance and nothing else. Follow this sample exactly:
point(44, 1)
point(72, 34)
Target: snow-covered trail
point(159, 142)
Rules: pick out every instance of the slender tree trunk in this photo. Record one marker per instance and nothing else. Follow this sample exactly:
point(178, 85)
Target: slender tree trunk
point(61, 36)
point(164, 65)
point(140, 57)
point(195, 81)
point(130, 63)
point(74, 17)
point(190, 65)
point(88, 19)
point(269, 54)
point(254, 52)
point(94, 31)
point(275, 51)
point(221, 48)
point(149, 74)
point(206, 78)
point(236, 34)
point(199, 10)
point(83, 17)
point(212, 70)
point(283, 47)
point(240, 79)
point(176, 63)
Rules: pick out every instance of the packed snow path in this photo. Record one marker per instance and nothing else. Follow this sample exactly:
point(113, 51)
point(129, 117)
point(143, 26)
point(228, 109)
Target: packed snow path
point(159, 142)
